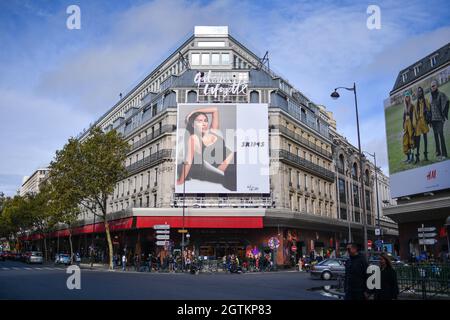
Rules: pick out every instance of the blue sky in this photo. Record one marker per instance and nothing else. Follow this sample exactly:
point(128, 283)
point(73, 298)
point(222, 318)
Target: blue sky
point(54, 82)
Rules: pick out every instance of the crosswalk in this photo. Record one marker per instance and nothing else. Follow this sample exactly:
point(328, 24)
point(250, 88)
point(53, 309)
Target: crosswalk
point(24, 268)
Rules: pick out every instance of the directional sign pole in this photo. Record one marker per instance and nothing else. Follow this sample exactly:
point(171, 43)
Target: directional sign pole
point(424, 245)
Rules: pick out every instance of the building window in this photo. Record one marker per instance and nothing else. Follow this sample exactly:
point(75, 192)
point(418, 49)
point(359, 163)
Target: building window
point(205, 59)
point(343, 213)
point(404, 76)
point(225, 58)
point(254, 97)
point(416, 70)
point(154, 200)
point(342, 194)
point(195, 57)
point(356, 196)
point(355, 171)
point(215, 58)
point(368, 204)
point(433, 60)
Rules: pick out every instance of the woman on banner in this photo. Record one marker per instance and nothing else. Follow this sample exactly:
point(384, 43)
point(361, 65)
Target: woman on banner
point(206, 156)
point(422, 118)
point(408, 128)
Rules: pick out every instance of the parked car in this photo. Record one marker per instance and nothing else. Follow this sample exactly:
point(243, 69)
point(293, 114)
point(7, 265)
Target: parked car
point(62, 258)
point(17, 256)
point(2, 256)
point(328, 269)
point(34, 257)
point(374, 259)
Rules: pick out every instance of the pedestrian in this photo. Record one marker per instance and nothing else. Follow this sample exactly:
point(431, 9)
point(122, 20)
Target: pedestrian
point(355, 286)
point(149, 262)
point(439, 114)
point(124, 262)
point(389, 285)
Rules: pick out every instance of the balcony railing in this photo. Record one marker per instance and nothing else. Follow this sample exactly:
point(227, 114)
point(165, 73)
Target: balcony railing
point(149, 160)
point(222, 202)
point(151, 136)
point(303, 141)
point(303, 164)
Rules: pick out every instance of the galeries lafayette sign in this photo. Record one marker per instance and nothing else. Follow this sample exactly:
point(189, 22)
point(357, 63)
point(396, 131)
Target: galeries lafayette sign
point(221, 84)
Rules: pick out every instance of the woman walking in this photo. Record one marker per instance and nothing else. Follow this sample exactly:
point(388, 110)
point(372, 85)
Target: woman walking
point(389, 286)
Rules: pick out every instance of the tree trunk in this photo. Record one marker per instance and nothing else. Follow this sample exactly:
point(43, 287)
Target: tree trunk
point(71, 247)
point(45, 249)
point(110, 247)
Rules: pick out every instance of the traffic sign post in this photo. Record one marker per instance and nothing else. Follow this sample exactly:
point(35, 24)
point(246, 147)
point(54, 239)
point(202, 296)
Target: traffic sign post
point(426, 236)
point(162, 234)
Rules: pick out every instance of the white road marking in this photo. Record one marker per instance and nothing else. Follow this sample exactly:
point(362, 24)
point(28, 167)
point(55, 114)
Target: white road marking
point(28, 268)
point(5, 268)
point(15, 268)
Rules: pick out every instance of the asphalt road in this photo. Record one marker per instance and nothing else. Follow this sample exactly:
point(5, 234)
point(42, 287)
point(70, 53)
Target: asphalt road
point(22, 281)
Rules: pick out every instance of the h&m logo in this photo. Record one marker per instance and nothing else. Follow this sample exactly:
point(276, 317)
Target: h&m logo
point(431, 175)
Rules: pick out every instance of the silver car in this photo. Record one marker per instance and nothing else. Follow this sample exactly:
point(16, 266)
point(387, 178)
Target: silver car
point(329, 269)
point(35, 257)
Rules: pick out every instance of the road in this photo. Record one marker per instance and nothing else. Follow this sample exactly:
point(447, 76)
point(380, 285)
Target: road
point(22, 281)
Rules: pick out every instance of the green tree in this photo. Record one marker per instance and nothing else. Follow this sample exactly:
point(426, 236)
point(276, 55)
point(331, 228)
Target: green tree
point(90, 170)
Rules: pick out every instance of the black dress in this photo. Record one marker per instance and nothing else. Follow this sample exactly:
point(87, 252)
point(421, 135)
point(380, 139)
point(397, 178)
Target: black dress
point(389, 286)
point(206, 165)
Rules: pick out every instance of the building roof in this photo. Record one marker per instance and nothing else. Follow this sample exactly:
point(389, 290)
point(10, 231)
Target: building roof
point(442, 58)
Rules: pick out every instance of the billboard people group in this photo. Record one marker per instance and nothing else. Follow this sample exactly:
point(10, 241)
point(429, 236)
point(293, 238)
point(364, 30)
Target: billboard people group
point(417, 120)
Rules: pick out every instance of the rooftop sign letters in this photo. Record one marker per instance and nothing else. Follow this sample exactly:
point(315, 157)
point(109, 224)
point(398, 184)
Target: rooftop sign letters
point(221, 85)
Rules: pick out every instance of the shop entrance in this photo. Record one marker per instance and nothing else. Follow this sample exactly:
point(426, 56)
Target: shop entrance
point(218, 249)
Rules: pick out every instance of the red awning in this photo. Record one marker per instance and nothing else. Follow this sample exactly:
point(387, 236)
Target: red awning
point(202, 222)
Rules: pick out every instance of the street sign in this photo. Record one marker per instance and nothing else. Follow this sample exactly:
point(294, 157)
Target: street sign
point(162, 237)
point(182, 231)
point(294, 248)
point(162, 231)
point(162, 243)
point(378, 232)
point(428, 235)
point(378, 243)
point(427, 229)
point(427, 241)
point(161, 226)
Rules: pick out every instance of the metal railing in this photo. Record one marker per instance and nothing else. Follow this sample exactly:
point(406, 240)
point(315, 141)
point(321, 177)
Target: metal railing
point(221, 202)
point(303, 141)
point(149, 160)
point(303, 164)
point(151, 136)
point(425, 279)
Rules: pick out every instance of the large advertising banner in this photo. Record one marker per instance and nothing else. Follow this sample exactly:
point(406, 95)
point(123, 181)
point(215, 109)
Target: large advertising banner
point(222, 148)
point(418, 136)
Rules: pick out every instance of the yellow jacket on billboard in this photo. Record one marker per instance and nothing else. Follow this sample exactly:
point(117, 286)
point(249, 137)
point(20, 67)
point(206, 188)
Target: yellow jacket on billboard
point(419, 117)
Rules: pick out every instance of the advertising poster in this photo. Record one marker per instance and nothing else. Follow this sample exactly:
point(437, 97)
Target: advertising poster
point(222, 148)
point(418, 136)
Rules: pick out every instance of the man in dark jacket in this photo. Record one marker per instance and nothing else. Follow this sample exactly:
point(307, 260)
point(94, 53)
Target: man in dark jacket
point(355, 284)
point(439, 114)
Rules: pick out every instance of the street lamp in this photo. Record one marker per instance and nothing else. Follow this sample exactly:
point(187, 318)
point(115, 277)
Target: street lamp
point(335, 95)
point(376, 192)
point(184, 201)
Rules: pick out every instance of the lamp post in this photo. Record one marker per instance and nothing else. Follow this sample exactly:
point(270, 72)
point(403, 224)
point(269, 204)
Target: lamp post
point(184, 199)
point(336, 95)
point(379, 237)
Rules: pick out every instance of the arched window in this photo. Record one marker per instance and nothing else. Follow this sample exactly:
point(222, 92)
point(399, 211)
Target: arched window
point(341, 162)
point(355, 171)
point(192, 96)
point(254, 97)
point(367, 177)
